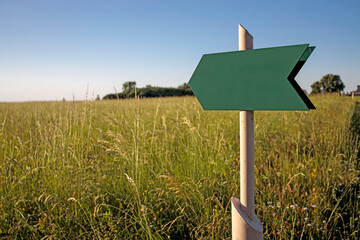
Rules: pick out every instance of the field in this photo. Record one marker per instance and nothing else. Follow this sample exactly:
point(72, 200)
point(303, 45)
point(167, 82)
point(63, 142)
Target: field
point(165, 169)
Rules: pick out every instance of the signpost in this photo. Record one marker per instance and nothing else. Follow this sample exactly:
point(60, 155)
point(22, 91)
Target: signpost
point(248, 80)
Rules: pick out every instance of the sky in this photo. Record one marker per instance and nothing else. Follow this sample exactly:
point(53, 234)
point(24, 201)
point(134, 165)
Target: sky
point(50, 50)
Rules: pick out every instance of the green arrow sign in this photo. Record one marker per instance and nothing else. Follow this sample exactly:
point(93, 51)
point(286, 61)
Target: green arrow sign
point(259, 79)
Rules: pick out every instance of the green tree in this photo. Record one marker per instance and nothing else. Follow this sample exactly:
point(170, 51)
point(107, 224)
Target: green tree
point(186, 89)
point(332, 83)
point(316, 87)
point(128, 86)
point(328, 84)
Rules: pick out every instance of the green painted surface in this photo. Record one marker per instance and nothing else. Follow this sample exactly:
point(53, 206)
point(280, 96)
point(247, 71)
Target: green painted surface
point(259, 79)
point(307, 53)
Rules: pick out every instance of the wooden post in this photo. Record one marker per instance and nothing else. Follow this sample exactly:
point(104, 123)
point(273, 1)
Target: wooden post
point(247, 178)
point(245, 39)
point(245, 224)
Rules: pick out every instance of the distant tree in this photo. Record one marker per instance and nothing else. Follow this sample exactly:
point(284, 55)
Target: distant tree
point(316, 87)
point(328, 84)
point(332, 83)
point(97, 97)
point(184, 86)
point(64, 100)
point(128, 86)
point(186, 89)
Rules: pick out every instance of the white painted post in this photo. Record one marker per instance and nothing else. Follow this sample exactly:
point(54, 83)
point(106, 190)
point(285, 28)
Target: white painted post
point(245, 224)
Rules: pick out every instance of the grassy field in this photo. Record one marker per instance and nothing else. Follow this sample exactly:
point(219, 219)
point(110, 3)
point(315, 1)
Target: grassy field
point(166, 169)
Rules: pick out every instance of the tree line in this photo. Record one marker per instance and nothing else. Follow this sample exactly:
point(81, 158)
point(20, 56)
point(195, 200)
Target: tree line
point(129, 89)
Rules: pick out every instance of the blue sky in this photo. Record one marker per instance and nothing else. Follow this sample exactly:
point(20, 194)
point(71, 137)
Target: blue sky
point(62, 48)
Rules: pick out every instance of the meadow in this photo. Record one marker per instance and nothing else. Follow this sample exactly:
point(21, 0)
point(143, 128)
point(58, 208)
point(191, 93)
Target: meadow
point(163, 168)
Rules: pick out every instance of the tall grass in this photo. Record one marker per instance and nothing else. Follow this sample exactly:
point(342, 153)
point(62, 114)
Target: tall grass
point(166, 169)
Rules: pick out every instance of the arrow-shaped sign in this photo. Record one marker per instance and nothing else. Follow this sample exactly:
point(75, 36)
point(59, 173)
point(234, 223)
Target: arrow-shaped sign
point(259, 79)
